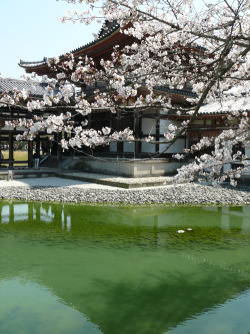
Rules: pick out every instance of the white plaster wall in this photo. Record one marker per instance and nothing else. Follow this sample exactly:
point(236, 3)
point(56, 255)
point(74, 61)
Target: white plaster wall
point(177, 147)
point(147, 147)
point(19, 128)
point(164, 123)
point(7, 128)
point(148, 126)
point(10, 128)
point(247, 153)
point(128, 147)
point(113, 147)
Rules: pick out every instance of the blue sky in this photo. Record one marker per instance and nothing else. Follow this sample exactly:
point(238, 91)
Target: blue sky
point(30, 31)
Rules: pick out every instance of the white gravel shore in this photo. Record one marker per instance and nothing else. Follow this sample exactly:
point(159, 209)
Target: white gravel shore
point(54, 189)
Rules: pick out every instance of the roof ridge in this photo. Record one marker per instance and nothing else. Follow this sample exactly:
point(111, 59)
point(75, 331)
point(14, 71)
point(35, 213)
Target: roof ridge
point(19, 80)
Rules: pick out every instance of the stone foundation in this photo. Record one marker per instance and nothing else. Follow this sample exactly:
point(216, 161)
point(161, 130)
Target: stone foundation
point(126, 168)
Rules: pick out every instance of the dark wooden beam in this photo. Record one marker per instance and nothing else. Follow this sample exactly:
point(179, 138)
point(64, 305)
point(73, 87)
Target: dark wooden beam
point(59, 150)
point(137, 130)
point(30, 153)
point(38, 144)
point(11, 149)
point(157, 130)
point(118, 125)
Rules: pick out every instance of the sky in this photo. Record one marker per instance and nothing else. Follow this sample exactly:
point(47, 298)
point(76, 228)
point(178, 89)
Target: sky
point(31, 31)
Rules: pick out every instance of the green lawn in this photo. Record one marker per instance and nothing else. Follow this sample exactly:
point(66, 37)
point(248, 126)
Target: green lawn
point(18, 156)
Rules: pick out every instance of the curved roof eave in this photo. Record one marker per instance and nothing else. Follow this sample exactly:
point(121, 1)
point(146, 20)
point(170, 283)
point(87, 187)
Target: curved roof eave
point(103, 35)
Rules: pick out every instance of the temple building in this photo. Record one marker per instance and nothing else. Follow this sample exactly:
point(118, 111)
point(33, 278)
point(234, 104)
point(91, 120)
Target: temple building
point(8, 143)
point(150, 122)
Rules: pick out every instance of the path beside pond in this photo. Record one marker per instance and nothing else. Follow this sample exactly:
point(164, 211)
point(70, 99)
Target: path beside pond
point(51, 182)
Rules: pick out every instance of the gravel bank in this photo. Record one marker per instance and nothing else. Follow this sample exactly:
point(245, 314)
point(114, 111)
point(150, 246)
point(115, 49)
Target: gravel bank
point(182, 194)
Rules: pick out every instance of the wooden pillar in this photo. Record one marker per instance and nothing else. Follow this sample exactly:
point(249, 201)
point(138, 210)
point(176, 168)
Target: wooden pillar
point(38, 144)
point(89, 126)
point(59, 150)
point(89, 121)
point(47, 145)
point(157, 131)
point(11, 149)
point(137, 132)
point(1, 149)
point(30, 153)
point(118, 125)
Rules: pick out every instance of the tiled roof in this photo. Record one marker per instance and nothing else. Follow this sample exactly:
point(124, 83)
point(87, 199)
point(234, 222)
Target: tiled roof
point(175, 91)
point(33, 63)
point(108, 26)
point(107, 30)
point(220, 107)
point(35, 88)
point(102, 88)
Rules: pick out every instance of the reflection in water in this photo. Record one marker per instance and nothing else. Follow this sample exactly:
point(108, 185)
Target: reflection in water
point(123, 270)
point(35, 315)
point(225, 217)
point(227, 319)
point(20, 212)
point(5, 214)
point(15, 212)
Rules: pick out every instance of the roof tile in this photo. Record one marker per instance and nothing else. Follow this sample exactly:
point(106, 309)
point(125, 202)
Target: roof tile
point(35, 88)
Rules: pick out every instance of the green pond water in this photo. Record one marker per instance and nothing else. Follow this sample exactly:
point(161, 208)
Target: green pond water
point(124, 270)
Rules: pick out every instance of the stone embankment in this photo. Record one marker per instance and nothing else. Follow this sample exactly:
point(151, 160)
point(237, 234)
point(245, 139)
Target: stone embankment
point(181, 194)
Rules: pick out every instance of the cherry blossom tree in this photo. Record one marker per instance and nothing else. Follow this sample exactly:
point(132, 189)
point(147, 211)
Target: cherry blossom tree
point(174, 45)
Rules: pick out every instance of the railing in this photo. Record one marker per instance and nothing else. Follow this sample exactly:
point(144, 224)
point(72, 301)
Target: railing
point(44, 158)
point(11, 162)
point(6, 161)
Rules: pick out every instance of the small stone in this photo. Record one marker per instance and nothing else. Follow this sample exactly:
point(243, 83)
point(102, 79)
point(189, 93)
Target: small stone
point(180, 231)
